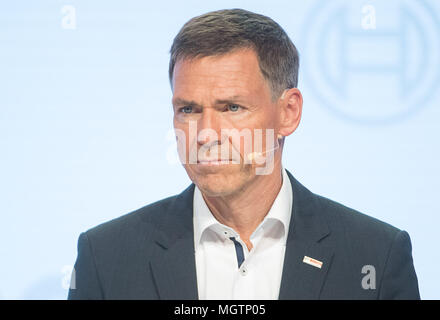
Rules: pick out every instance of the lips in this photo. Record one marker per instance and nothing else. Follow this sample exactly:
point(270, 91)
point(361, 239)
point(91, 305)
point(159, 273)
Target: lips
point(213, 162)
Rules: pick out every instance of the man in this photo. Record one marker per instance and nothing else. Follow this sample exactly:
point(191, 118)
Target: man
point(245, 228)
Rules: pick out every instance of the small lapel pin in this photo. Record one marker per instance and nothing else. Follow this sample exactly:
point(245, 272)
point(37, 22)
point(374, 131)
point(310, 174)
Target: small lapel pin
point(312, 262)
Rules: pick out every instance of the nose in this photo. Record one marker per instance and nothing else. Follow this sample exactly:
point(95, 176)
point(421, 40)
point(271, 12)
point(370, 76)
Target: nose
point(209, 128)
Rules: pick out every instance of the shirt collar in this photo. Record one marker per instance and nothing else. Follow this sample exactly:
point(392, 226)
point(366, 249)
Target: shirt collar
point(281, 211)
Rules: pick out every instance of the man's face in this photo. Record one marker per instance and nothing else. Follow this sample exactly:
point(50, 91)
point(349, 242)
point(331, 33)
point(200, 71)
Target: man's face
point(215, 93)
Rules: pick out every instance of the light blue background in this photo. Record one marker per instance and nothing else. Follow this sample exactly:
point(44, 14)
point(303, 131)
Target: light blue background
point(85, 116)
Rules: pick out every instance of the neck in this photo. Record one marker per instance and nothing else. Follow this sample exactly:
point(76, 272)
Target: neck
point(243, 211)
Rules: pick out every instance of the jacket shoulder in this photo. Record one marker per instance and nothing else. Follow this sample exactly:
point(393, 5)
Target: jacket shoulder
point(366, 243)
point(353, 219)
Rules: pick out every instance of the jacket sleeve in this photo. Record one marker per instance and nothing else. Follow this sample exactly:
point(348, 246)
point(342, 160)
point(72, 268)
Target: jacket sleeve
point(85, 284)
point(399, 279)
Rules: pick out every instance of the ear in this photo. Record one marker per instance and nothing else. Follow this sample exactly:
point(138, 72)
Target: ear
point(290, 104)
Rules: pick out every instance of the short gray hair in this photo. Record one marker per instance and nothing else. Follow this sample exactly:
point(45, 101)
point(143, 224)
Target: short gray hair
point(223, 31)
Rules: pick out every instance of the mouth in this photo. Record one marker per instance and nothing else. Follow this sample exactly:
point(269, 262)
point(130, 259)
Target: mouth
point(216, 162)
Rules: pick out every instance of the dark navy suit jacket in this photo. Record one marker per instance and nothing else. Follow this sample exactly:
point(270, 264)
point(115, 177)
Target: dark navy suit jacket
point(149, 254)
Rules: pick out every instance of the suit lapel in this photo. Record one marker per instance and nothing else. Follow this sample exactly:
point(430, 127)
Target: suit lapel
point(173, 262)
point(307, 230)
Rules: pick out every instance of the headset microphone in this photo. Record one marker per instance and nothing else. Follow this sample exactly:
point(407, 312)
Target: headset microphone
point(254, 155)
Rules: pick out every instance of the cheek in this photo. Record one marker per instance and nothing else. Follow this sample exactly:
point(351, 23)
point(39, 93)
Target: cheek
point(251, 135)
point(181, 133)
point(186, 141)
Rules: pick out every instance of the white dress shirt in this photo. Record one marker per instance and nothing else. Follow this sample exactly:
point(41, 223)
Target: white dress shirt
point(217, 257)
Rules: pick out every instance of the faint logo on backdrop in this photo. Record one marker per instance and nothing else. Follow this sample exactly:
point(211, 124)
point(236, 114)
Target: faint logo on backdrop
point(372, 62)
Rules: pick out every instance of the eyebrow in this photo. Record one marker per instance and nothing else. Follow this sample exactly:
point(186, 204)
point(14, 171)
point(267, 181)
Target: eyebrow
point(184, 102)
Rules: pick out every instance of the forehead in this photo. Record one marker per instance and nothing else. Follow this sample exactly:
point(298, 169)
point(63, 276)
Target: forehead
point(235, 73)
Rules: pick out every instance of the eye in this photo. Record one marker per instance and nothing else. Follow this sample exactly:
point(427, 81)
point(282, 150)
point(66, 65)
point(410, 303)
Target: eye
point(233, 107)
point(186, 109)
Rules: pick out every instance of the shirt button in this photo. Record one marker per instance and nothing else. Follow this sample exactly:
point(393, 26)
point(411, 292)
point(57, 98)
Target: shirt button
point(243, 271)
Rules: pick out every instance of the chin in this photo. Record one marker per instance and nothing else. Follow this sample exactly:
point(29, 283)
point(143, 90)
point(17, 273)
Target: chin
point(216, 186)
point(220, 182)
